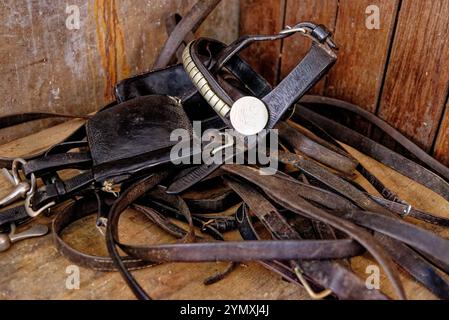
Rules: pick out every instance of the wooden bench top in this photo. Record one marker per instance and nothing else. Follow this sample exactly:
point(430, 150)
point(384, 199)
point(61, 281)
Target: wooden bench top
point(33, 269)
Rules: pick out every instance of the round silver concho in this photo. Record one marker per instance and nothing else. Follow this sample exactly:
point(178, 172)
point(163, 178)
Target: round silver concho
point(249, 116)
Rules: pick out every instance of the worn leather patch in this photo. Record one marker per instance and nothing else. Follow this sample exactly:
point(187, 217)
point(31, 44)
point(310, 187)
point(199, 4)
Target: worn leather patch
point(135, 129)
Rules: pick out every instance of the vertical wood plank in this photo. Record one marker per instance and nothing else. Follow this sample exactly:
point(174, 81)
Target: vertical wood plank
point(417, 80)
point(441, 150)
point(262, 17)
point(295, 48)
point(223, 23)
point(357, 77)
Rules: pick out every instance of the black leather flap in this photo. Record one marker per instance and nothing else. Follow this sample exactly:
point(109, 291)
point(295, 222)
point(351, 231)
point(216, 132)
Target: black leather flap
point(135, 129)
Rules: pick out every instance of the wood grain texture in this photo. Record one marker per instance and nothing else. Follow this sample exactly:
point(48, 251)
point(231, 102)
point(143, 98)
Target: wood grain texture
point(223, 23)
point(357, 77)
point(47, 67)
point(46, 276)
point(417, 80)
point(263, 17)
point(295, 48)
point(441, 149)
point(33, 269)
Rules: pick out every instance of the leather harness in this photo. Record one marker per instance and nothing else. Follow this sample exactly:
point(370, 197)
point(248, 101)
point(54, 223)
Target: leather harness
point(314, 214)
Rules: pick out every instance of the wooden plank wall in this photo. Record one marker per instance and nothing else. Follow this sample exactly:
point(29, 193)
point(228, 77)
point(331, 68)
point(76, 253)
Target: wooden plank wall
point(47, 67)
point(399, 71)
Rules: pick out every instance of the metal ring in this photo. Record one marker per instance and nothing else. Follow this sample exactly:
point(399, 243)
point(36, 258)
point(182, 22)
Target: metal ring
point(15, 169)
point(33, 185)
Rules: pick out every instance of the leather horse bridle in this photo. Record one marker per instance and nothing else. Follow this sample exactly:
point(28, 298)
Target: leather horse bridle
point(314, 215)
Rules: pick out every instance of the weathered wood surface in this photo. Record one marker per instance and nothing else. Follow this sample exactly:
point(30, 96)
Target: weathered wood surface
point(417, 82)
point(398, 71)
point(263, 17)
point(47, 67)
point(33, 269)
point(358, 75)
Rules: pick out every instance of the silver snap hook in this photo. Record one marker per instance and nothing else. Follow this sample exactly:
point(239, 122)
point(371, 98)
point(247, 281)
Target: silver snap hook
point(6, 240)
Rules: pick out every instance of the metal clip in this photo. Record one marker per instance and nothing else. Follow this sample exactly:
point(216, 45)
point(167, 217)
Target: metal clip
point(8, 176)
point(21, 188)
point(311, 293)
point(289, 30)
point(17, 163)
point(6, 240)
point(28, 205)
point(101, 225)
point(34, 213)
point(19, 192)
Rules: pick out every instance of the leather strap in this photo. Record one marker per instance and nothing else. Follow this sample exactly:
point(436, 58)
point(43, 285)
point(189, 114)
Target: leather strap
point(317, 62)
point(170, 24)
point(58, 162)
point(20, 118)
point(72, 212)
point(320, 273)
point(377, 151)
point(431, 162)
point(211, 251)
point(303, 144)
point(190, 23)
point(307, 73)
point(316, 223)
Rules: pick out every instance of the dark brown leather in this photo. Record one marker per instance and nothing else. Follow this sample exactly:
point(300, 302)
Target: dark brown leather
point(310, 217)
point(301, 143)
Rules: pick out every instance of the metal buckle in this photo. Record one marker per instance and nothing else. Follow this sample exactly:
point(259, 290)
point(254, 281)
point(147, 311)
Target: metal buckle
point(329, 43)
point(23, 189)
point(310, 292)
point(28, 206)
